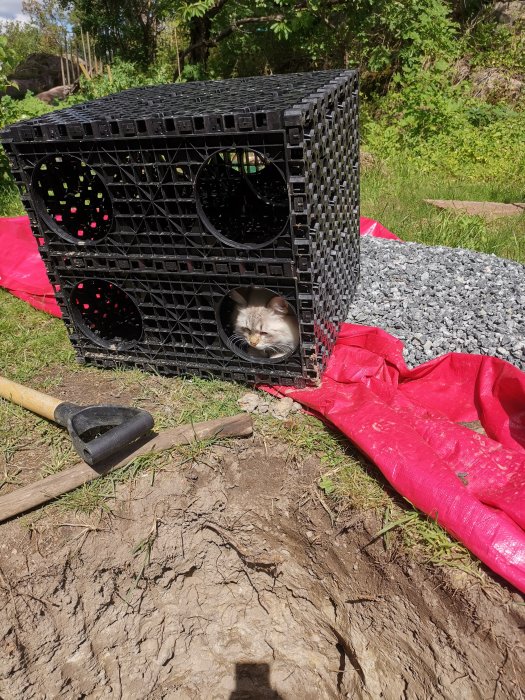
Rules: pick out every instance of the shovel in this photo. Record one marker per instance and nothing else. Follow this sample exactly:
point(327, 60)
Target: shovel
point(97, 432)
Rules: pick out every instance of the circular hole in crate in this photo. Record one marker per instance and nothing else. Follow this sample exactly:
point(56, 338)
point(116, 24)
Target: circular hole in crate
point(236, 323)
point(72, 198)
point(106, 314)
point(242, 197)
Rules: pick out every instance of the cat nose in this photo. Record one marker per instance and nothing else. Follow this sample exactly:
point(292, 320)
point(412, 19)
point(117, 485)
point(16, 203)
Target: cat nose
point(254, 339)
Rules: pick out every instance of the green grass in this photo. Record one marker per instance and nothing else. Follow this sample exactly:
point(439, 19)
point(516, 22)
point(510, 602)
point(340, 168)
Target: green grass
point(394, 196)
point(10, 204)
point(30, 341)
point(35, 350)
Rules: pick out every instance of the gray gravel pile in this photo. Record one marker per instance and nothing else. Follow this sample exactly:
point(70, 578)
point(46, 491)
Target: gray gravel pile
point(439, 300)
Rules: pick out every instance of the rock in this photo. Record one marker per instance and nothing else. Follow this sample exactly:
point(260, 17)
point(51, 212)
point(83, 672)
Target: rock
point(59, 92)
point(259, 403)
point(509, 13)
point(491, 84)
point(494, 83)
point(39, 72)
point(281, 409)
point(489, 210)
point(249, 402)
point(472, 302)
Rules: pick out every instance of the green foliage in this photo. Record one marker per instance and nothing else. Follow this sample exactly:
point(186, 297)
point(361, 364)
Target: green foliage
point(412, 33)
point(22, 40)
point(130, 29)
point(434, 124)
point(494, 45)
point(381, 37)
point(327, 485)
point(441, 129)
point(122, 76)
point(13, 111)
point(50, 17)
point(197, 8)
point(7, 58)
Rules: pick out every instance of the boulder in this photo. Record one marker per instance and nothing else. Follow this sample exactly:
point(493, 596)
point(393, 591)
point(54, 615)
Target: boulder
point(493, 85)
point(510, 13)
point(38, 73)
point(60, 92)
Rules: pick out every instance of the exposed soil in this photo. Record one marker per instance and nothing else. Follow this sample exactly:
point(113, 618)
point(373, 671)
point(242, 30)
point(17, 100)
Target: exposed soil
point(489, 210)
point(226, 579)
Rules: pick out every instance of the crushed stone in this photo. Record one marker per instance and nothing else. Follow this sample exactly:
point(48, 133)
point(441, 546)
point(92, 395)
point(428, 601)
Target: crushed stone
point(439, 300)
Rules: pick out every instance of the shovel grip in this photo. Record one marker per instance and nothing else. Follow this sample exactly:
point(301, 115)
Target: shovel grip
point(117, 439)
point(42, 404)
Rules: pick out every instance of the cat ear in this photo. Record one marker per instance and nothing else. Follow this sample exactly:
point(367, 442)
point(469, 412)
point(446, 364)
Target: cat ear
point(278, 305)
point(238, 298)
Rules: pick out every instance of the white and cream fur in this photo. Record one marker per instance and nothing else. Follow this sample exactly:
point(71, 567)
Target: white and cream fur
point(263, 321)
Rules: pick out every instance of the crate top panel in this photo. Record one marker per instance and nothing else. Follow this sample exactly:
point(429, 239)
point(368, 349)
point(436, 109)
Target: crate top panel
point(260, 103)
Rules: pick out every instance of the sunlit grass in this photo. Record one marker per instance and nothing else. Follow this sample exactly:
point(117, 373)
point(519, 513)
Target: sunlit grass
point(10, 203)
point(30, 340)
point(394, 196)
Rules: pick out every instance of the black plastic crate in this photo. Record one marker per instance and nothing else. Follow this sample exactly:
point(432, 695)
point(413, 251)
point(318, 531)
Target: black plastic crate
point(166, 191)
point(177, 323)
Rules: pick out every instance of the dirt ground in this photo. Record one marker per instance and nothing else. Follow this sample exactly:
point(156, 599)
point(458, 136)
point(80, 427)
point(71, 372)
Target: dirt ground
point(225, 579)
point(489, 210)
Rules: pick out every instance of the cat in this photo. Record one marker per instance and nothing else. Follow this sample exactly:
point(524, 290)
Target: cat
point(264, 322)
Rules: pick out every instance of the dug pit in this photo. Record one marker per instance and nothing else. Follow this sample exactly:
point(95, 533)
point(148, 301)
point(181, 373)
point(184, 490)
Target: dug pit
point(225, 578)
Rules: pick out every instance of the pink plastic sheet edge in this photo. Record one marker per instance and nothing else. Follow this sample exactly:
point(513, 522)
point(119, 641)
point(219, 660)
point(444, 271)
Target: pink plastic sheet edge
point(22, 271)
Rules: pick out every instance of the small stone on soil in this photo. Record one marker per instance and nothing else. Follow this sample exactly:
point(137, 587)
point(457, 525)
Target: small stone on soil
point(259, 403)
point(249, 402)
point(281, 409)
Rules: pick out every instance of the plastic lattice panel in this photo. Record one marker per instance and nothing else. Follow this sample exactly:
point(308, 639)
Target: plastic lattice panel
point(151, 205)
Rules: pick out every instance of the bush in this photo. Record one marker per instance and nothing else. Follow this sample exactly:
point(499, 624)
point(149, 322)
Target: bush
point(13, 111)
point(435, 125)
point(121, 76)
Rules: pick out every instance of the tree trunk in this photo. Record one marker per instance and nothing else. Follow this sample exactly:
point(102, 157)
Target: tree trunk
point(200, 31)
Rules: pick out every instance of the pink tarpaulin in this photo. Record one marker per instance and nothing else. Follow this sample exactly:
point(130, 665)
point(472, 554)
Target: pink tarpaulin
point(405, 421)
point(22, 271)
point(369, 227)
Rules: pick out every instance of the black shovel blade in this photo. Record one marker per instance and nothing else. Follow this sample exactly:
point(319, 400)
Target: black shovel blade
point(98, 432)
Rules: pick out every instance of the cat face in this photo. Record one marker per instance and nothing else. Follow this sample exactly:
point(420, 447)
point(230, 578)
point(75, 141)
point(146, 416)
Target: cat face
point(265, 323)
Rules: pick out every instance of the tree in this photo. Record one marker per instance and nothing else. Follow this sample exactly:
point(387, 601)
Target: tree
point(22, 39)
point(225, 37)
point(130, 28)
point(50, 17)
point(378, 35)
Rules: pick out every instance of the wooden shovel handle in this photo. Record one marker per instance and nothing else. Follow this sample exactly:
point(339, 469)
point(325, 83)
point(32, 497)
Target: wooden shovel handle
point(34, 400)
point(45, 490)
